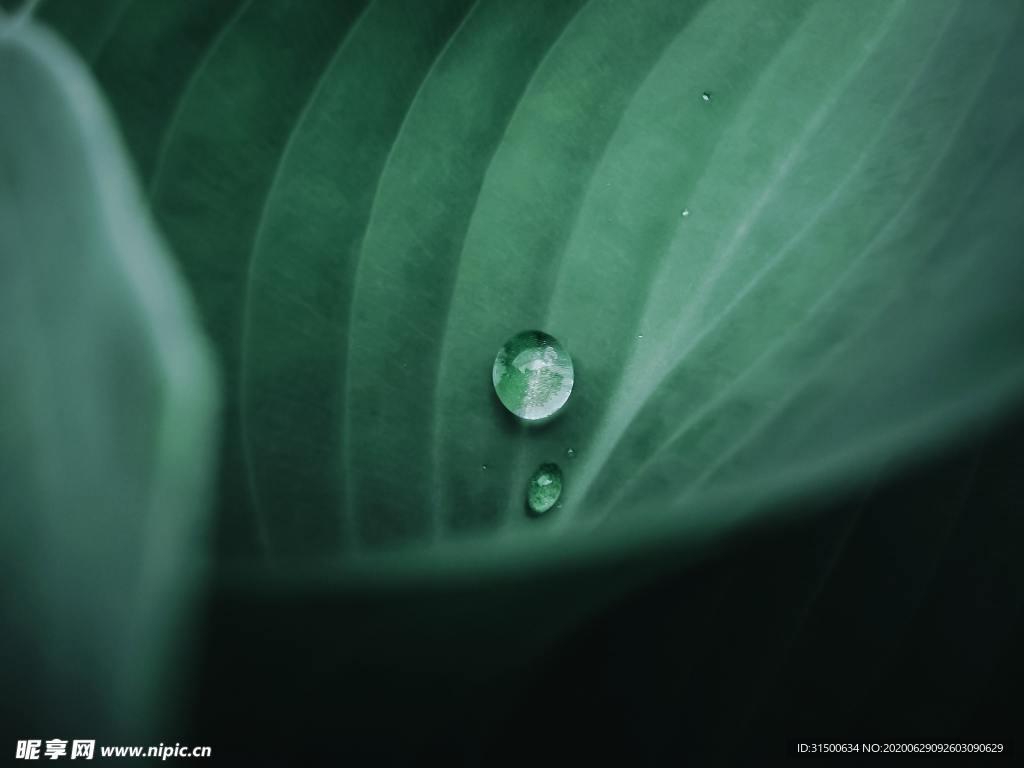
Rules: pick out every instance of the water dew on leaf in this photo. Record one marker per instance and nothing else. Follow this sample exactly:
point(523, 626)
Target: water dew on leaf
point(570, 452)
point(533, 375)
point(544, 489)
point(706, 96)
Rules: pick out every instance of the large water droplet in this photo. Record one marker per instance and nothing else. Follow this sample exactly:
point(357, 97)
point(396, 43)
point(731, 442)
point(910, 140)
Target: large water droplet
point(544, 488)
point(533, 375)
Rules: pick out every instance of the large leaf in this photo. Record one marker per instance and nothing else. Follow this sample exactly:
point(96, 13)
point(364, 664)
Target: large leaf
point(369, 198)
point(106, 407)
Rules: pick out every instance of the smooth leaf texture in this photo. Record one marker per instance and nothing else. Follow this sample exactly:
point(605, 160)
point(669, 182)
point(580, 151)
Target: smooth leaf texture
point(368, 199)
point(107, 412)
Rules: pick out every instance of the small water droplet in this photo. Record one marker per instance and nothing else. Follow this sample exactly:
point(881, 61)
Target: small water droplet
point(483, 466)
point(639, 335)
point(706, 96)
point(533, 375)
point(544, 488)
point(570, 452)
point(686, 212)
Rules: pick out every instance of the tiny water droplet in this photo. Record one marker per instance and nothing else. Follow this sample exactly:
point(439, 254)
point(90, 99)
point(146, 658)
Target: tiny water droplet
point(483, 466)
point(686, 212)
point(570, 452)
point(706, 96)
point(533, 375)
point(544, 488)
point(639, 335)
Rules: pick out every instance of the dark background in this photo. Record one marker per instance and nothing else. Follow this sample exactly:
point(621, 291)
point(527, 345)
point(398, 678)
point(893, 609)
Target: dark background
point(891, 615)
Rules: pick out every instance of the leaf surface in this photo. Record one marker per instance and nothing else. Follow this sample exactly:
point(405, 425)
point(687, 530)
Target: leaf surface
point(368, 211)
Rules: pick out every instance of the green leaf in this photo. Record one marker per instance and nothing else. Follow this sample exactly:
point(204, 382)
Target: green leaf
point(107, 406)
point(369, 199)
